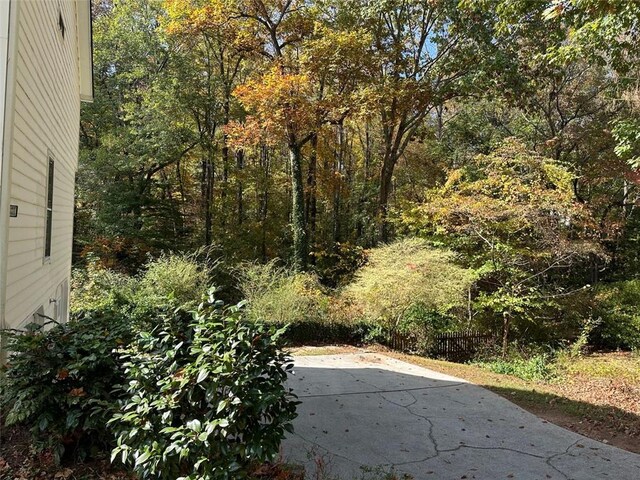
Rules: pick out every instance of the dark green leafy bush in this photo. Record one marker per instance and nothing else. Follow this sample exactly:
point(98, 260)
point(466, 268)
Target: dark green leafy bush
point(312, 332)
point(206, 396)
point(337, 266)
point(421, 325)
point(617, 316)
point(59, 382)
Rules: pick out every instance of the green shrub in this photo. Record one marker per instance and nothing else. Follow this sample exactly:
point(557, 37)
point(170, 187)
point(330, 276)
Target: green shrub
point(280, 295)
point(206, 396)
point(421, 325)
point(59, 382)
point(538, 367)
point(169, 281)
point(617, 316)
point(175, 279)
point(404, 276)
point(327, 332)
point(95, 288)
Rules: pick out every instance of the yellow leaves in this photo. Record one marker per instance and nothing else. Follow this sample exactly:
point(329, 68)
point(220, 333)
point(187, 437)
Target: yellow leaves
point(403, 273)
point(249, 134)
point(179, 16)
point(280, 104)
point(345, 54)
point(211, 17)
point(559, 176)
point(196, 12)
point(519, 197)
point(455, 176)
point(555, 10)
point(275, 89)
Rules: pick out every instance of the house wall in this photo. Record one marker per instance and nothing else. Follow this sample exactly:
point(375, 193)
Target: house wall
point(4, 42)
point(45, 124)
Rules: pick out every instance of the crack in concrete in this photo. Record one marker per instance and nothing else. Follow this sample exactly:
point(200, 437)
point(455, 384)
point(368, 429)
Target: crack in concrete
point(373, 392)
point(558, 455)
point(429, 431)
point(359, 380)
point(411, 396)
point(380, 393)
point(439, 451)
point(477, 447)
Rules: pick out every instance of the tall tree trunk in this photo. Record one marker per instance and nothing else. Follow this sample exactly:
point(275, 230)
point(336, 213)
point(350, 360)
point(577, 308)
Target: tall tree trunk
point(506, 325)
point(297, 213)
point(264, 202)
point(207, 197)
point(363, 196)
point(180, 181)
point(312, 199)
point(368, 150)
point(351, 200)
point(239, 187)
point(225, 163)
point(337, 183)
point(136, 209)
point(439, 110)
point(386, 176)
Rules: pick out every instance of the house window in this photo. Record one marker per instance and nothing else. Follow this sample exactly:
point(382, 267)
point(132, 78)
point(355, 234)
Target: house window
point(49, 211)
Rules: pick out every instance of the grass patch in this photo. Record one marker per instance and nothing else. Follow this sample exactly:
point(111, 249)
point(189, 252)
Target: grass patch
point(615, 366)
point(312, 351)
point(538, 367)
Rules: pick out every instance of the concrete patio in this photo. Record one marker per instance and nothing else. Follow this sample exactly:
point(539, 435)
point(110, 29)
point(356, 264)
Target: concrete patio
point(364, 415)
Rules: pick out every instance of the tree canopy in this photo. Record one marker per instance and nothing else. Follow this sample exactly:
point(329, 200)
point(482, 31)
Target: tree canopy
point(505, 131)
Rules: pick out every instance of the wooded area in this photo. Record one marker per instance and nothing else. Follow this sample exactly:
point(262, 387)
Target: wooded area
point(506, 131)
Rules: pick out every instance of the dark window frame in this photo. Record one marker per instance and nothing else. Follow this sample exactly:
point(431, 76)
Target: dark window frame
point(48, 209)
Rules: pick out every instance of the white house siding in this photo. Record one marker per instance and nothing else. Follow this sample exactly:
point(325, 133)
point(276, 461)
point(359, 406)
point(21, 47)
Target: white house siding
point(4, 43)
point(45, 124)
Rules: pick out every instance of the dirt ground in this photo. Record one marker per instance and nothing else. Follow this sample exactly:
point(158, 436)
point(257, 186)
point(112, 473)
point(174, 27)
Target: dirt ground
point(20, 460)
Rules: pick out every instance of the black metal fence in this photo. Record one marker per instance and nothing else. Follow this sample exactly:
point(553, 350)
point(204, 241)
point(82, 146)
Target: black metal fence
point(461, 345)
point(454, 346)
